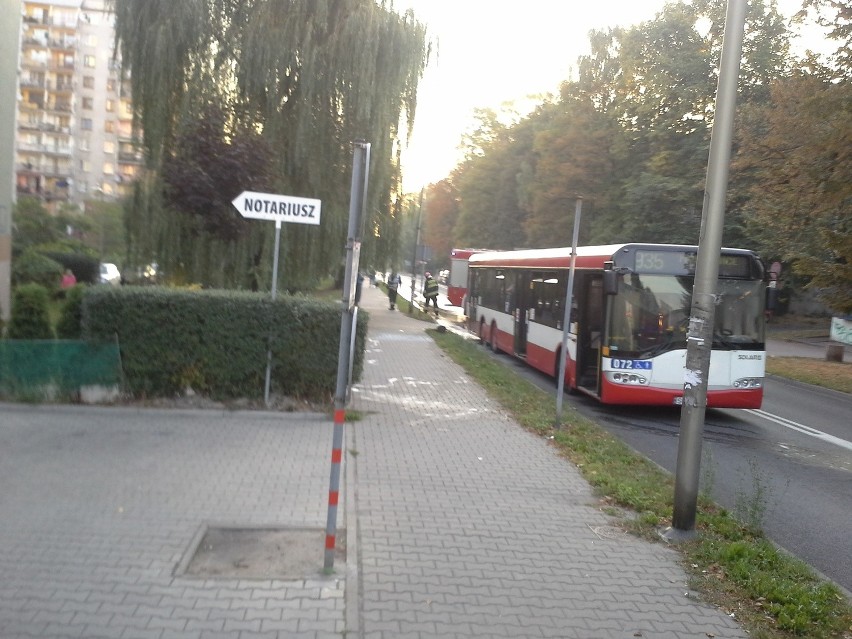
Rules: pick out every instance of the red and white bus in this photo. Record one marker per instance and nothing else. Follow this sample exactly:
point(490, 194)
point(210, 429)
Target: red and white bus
point(457, 282)
point(627, 339)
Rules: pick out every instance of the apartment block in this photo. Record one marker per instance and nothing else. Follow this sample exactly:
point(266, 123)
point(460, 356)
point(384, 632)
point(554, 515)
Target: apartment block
point(75, 140)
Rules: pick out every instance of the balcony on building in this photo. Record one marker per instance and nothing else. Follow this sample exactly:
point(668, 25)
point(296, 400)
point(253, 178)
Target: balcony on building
point(62, 44)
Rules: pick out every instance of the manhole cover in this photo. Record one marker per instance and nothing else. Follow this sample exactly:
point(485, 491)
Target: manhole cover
point(262, 553)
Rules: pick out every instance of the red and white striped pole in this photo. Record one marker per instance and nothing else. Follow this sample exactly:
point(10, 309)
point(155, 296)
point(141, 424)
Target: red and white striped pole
point(358, 196)
point(334, 487)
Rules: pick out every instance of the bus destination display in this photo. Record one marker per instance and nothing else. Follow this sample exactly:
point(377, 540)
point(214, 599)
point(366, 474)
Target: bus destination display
point(671, 262)
point(683, 263)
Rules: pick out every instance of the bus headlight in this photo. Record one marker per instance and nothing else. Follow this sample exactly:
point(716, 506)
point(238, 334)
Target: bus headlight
point(749, 382)
point(628, 378)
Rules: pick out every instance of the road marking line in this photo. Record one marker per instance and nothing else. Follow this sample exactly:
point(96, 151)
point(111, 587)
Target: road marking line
point(807, 430)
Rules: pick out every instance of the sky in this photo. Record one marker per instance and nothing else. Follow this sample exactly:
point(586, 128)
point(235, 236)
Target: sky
point(495, 51)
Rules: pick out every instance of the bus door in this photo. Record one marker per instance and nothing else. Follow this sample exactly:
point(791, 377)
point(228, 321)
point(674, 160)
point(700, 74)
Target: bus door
point(590, 320)
point(521, 311)
point(473, 290)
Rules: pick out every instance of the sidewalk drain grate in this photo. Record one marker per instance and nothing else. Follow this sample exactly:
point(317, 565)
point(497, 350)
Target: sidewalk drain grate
point(260, 553)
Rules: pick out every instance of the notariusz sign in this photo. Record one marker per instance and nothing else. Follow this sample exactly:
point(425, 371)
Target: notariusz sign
point(281, 208)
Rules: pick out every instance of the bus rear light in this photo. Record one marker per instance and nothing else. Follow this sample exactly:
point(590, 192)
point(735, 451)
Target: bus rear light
point(749, 382)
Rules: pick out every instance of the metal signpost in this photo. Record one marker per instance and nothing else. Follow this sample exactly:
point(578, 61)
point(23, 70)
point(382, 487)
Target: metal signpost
point(278, 208)
point(357, 203)
point(566, 319)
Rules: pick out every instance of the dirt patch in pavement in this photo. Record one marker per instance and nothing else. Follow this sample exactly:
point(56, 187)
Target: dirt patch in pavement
point(262, 553)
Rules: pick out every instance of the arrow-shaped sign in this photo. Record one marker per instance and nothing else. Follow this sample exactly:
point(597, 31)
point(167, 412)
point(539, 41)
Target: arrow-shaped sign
point(281, 208)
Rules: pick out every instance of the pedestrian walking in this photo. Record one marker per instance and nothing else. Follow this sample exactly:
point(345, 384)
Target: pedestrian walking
point(430, 292)
point(393, 284)
point(68, 279)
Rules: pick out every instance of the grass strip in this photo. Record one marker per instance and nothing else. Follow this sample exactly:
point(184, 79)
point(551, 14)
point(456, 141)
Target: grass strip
point(834, 375)
point(773, 595)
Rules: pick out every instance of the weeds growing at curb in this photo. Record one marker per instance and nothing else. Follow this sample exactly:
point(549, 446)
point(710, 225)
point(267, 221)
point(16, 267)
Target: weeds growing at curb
point(773, 595)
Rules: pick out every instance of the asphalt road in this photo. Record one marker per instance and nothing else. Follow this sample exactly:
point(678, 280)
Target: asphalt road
point(786, 468)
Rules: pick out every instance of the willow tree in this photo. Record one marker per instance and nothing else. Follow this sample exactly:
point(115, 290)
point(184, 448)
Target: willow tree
point(308, 77)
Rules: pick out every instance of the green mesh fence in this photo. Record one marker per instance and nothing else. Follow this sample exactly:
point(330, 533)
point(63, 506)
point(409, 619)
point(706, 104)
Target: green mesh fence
point(56, 367)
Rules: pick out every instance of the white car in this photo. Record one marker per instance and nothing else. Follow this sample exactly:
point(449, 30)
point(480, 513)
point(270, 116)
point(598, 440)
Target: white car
point(110, 274)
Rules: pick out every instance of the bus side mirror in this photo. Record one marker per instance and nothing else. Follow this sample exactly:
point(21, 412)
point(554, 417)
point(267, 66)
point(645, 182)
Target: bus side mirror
point(610, 282)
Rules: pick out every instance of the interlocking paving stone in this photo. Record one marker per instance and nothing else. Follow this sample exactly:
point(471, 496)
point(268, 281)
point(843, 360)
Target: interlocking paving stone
point(464, 524)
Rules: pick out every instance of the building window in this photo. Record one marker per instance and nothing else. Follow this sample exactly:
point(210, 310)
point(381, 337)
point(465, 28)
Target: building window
point(91, 40)
point(89, 82)
point(109, 126)
point(109, 168)
point(86, 124)
point(88, 104)
point(110, 85)
point(110, 106)
point(85, 166)
point(109, 146)
point(89, 61)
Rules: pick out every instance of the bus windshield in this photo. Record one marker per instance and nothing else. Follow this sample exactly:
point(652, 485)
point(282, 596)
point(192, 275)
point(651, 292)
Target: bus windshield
point(650, 315)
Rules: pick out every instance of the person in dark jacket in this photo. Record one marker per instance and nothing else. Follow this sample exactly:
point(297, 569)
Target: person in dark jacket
point(430, 292)
point(393, 284)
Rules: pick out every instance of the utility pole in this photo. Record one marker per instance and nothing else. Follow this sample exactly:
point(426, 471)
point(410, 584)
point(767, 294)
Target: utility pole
point(699, 339)
point(10, 46)
point(414, 257)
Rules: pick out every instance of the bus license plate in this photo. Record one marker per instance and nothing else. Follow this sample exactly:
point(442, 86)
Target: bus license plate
point(632, 364)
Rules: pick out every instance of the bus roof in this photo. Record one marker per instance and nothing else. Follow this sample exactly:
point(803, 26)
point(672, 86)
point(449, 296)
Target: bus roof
point(464, 253)
point(560, 257)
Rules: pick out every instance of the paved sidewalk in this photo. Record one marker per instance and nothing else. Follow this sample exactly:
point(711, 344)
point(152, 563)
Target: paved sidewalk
point(469, 526)
point(458, 522)
point(100, 506)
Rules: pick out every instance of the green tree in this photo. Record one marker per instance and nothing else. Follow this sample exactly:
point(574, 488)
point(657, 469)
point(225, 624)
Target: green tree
point(440, 211)
point(309, 76)
point(490, 210)
point(836, 16)
point(796, 152)
point(34, 226)
point(572, 159)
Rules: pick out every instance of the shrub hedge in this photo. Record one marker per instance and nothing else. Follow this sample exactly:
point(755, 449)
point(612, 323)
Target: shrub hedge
point(33, 267)
point(215, 342)
point(70, 318)
point(29, 318)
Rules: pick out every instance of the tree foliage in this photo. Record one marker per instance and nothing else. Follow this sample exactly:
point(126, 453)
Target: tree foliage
point(440, 208)
point(301, 78)
point(797, 151)
point(631, 135)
